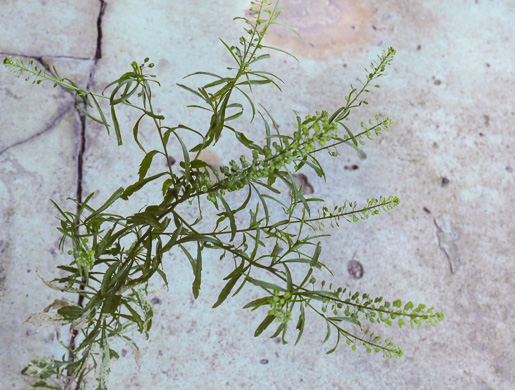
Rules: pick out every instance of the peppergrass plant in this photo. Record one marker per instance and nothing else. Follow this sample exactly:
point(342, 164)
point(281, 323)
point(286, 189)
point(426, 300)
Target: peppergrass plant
point(113, 280)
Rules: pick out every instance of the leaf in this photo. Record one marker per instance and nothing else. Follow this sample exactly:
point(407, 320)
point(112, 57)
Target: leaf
point(328, 332)
point(45, 318)
point(104, 121)
point(198, 164)
point(135, 316)
point(297, 195)
point(70, 312)
point(282, 51)
point(79, 323)
point(245, 141)
point(173, 239)
point(334, 348)
point(217, 82)
point(237, 115)
point(263, 202)
point(301, 323)
point(264, 324)
point(316, 167)
point(107, 278)
point(259, 58)
point(190, 90)
point(264, 285)
point(113, 198)
point(267, 128)
point(206, 73)
point(186, 156)
point(111, 304)
point(230, 51)
point(54, 286)
point(335, 114)
point(137, 186)
point(266, 81)
point(251, 103)
point(350, 134)
point(251, 82)
point(135, 132)
point(314, 260)
point(116, 126)
point(230, 214)
point(135, 351)
point(198, 272)
point(257, 303)
point(230, 284)
point(145, 164)
point(289, 282)
point(281, 327)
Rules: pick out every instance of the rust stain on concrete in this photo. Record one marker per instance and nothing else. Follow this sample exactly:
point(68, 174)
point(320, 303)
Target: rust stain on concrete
point(326, 27)
point(330, 28)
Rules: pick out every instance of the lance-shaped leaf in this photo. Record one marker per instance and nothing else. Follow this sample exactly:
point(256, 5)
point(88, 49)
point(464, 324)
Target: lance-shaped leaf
point(234, 276)
point(267, 321)
point(139, 185)
point(145, 164)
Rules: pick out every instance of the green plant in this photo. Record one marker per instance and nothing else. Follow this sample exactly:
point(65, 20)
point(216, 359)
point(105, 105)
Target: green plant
point(113, 280)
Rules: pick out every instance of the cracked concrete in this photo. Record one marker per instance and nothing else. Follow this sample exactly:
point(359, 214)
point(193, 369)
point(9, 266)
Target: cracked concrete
point(80, 156)
point(52, 124)
point(446, 91)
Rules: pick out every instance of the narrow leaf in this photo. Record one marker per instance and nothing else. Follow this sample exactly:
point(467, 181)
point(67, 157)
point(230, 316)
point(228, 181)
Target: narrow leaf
point(228, 287)
point(137, 186)
point(198, 273)
point(135, 132)
point(314, 260)
point(230, 214)
point(257, 303)
point(145, 164)
point(350, 134)
point(116, 126)
point(267, 321)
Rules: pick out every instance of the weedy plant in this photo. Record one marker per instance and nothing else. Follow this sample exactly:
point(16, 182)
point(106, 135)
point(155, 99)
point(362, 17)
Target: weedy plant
point(112, 281)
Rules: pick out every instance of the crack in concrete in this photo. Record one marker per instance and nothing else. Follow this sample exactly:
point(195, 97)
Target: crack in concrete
point(45, 55)
point(80, 161)
point(52, 124)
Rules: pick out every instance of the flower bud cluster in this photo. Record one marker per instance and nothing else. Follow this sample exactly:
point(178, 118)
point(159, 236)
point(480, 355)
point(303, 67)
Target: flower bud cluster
point(85, 257)
point(276, 307)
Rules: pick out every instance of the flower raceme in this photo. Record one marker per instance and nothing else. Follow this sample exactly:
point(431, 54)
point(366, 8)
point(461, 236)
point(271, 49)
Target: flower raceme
point(315, 129)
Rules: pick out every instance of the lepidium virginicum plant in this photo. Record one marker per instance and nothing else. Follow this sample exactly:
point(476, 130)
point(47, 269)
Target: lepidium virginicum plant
point(113, 280)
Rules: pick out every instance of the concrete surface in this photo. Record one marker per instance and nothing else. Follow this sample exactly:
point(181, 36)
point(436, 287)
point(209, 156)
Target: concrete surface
point(449, 158)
